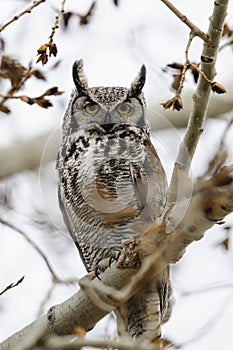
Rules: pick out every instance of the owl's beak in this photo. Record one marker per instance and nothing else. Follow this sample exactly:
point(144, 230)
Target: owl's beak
point(107, 124)
point(108, 127)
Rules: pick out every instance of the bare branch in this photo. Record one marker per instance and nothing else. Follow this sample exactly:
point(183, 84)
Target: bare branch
point(33, 244)
point(56, 343)
point(12, 285)
point(50, 46)
point(16, 157)
point(185, 67)
point(195, 30)
point(27, 10)
point(57, 19)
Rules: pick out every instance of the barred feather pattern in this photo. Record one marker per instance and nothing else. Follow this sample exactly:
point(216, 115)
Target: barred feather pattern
point(112, 187)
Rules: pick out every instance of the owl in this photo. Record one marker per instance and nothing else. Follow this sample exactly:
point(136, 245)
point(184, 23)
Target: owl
point(112, 187)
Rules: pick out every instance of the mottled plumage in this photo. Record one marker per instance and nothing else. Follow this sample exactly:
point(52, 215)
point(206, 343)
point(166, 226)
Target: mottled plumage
point(112, 186)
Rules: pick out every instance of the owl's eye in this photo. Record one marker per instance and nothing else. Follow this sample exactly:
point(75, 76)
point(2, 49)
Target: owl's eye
point(91, 108)
point(124, 108)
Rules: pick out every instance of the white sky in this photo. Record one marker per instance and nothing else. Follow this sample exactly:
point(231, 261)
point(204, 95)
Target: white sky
point(113, 46)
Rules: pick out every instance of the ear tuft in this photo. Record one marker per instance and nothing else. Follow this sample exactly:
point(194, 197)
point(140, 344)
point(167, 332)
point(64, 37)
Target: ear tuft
point(137, 85)
point(79, 77)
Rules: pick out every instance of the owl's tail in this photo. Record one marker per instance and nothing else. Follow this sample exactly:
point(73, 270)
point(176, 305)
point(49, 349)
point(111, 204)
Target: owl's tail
point(143, 314)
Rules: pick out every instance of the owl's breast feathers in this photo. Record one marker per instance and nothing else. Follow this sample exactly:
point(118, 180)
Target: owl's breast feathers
point(116, 177)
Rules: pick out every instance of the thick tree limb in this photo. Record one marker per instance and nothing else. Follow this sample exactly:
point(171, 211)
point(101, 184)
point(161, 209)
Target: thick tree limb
point(212, 201)
point(28, 154)
point(200, 97)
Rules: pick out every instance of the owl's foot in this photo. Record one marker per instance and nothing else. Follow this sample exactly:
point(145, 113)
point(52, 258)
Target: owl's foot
point(114, 257)
point(103, 264)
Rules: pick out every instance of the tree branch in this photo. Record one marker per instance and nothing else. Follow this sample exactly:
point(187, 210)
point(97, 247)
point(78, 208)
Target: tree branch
point(56, 343)
point(17, 157)
point(195, 30)
point(27, 10)
point(33, 244)
point(200, 98)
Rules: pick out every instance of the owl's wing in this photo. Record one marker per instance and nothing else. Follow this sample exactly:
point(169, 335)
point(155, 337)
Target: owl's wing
point(150, 184)
point(140, 187)
point(69, 225)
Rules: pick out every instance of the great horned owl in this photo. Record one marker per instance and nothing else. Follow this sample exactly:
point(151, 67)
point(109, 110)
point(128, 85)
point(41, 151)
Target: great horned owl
point(112, 186)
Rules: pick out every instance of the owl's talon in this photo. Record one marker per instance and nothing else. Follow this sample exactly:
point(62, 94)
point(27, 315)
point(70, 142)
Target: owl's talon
point(101, 266)
point(97, 272)
point(113, 257)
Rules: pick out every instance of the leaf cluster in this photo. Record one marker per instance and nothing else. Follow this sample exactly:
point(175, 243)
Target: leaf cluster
point(17, 75)
point(45, 51)
point(83, 19)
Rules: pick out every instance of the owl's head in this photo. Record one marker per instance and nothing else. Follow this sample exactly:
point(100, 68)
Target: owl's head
point(105, 108)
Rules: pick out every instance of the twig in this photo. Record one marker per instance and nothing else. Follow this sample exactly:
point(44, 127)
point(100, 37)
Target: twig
point(57, 19)
point(55, 279)
point(200, 98)
point(205, 289)
point(72, 342)
point(27, 10)
point(10, 94)
point(33, 244)
point(12, 285)
point(208, 326)
point(185, 67)
point(195, 30)
point(50, 48)
point(176, 102)
point(219, 157)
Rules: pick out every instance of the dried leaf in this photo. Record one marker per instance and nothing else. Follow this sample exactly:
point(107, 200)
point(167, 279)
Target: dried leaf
point(176, 81)
point(226, 30)
point(26, 99)
point(42, 52)
point(220, 222)
point(53, 49)
point(66, 18)
point(176, 65)
point(167, 104)
point(218, 88)
point(81, 332)
point(224, 244)
point(175, 102)
point(4, 109)
point(51, 91)
point(38, 74)
point(195, 75)
point(13, 70)
point(56, 64)
point(42, 102)
point(43, 58)
point(84, 19)
point(42, 49)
